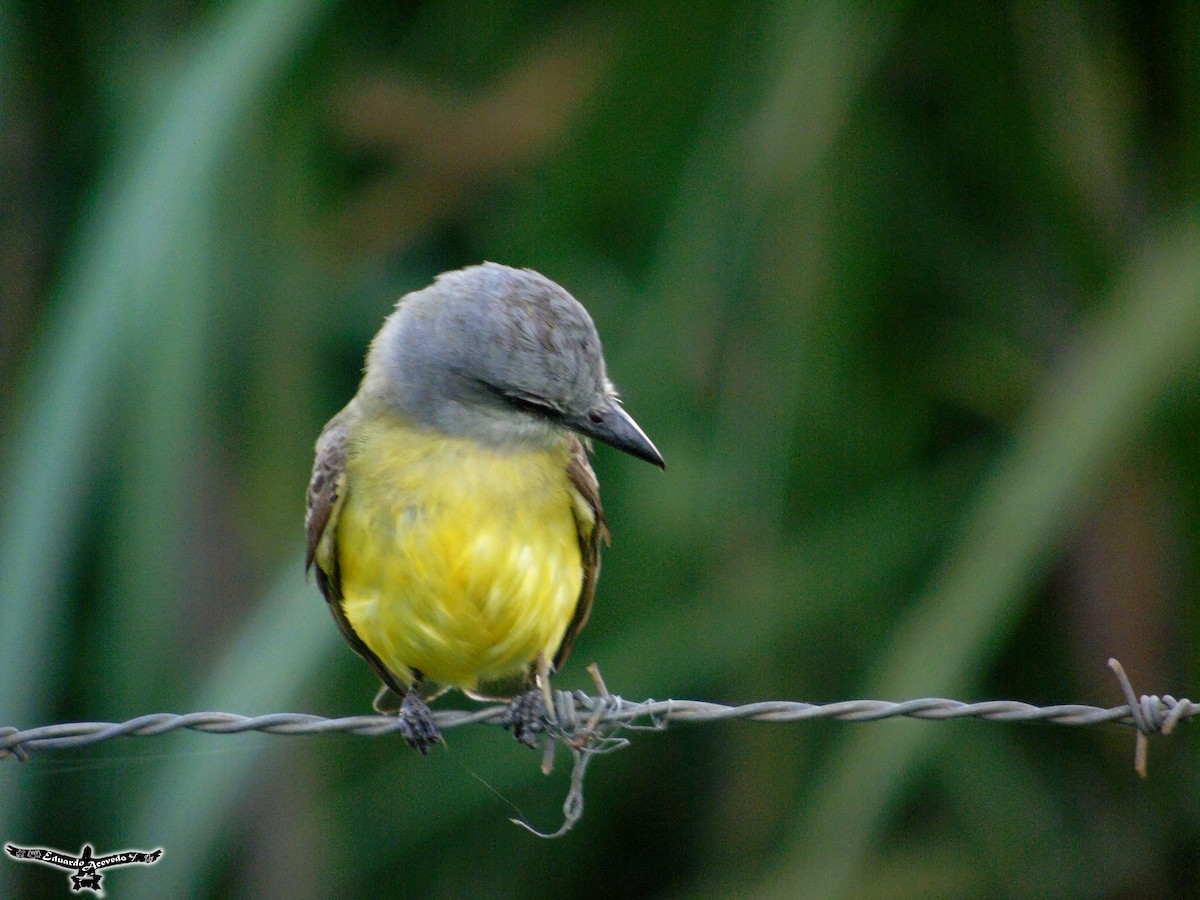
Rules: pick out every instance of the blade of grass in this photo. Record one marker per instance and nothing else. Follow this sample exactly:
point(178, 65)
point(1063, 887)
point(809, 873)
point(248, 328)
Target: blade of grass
point(1071, 438)
point(113, 278)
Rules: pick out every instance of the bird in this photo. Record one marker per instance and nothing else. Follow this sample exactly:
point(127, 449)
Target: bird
point(453, 517)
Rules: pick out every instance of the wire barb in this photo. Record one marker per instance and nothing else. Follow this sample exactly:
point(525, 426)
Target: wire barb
point(1150, 714)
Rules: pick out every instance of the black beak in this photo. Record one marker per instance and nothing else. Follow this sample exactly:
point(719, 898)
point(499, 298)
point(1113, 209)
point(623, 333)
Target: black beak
point(610, 424)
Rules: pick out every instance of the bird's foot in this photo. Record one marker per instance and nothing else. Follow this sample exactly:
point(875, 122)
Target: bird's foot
point(416, 723)
point(526, 717)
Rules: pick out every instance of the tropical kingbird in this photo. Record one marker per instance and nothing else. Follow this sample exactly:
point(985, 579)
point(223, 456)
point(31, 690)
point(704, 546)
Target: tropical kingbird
point(453, 515)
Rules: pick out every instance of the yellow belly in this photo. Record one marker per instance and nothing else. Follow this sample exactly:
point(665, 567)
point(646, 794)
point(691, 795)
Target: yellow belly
point(455, 560)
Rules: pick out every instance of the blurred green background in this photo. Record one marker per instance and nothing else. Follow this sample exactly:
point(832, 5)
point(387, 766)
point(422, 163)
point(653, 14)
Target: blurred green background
point(907, 294)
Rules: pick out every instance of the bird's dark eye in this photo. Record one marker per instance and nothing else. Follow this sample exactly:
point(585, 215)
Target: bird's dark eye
point(535, 406)
point(526, 403)
point(595, 417)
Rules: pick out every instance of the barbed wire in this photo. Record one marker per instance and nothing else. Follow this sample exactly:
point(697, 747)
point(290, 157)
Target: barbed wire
point(589, 725)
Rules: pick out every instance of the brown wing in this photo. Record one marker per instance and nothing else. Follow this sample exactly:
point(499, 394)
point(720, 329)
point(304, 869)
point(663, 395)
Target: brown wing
point(591, 533)
point(327, 491)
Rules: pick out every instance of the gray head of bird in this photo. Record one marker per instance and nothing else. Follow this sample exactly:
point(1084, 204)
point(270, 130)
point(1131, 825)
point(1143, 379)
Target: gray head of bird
point(500, 355)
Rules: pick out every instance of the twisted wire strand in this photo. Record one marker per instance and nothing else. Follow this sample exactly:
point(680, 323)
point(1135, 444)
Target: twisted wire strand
point(578, 718)
point(590, 725)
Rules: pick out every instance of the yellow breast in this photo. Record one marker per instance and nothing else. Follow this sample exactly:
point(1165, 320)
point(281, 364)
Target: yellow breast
point(456, 560)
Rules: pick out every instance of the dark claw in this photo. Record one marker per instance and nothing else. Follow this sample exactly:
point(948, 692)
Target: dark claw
point(526, 717)
point(416, 723)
